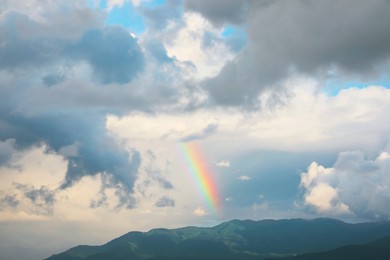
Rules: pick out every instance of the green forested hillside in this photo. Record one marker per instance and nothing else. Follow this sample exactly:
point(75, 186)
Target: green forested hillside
point(236, 239)
point(377, 250)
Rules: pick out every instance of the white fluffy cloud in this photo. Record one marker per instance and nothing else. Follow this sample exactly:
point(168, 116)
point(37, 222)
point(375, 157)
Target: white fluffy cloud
point(308, 121)
point(200, 212)
point(223, 163)
point(190, 44)
point(354, 185)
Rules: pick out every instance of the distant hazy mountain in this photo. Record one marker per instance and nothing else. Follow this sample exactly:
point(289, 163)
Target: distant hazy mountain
point(236, 239)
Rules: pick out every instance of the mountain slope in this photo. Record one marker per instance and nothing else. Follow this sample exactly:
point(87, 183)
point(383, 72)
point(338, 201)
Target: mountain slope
point(235, 239)
point(379, 249)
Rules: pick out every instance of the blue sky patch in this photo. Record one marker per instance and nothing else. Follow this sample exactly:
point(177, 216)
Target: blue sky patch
point(127, 16)
point(235, 37)
point(334, 86)
point(153, 3)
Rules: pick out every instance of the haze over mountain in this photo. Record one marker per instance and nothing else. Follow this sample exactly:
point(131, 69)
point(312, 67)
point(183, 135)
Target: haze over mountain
point(240, 239)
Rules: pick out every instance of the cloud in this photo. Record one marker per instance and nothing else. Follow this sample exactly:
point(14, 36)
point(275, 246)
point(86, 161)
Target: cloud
point(159, 16)
point(165, 202)
point(354, 185)
point(30, 40)
point(208, 50)
point(244, 178)
point(307, 122)
point(59, 79)
point(8, 201)
point(112, 52)
point(223, 163)
point(151, 175)
point(31, 191)
point(220, 12)
point(114, 3)
point(42, 198)
point(199, 212)
point(208, 130)
point(97, 151)
point(7, 149)
point(311, 44)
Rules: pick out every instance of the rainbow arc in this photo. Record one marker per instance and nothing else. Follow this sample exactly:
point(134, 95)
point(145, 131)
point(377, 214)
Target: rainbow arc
point(201, 174)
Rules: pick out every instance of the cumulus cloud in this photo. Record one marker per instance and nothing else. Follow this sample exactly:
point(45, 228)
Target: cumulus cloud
point(61, 72)
point(354, 185)
point(223, 163)
point(297, 37)
point(208, 52)
point(199, 212)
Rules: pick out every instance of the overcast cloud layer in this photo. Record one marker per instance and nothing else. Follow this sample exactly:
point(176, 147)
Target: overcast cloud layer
point(288, 102)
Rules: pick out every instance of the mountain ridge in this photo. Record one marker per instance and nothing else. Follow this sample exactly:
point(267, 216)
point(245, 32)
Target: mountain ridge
point(235, 239)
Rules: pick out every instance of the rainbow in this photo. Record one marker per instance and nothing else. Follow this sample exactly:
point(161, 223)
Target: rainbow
point(201, 175)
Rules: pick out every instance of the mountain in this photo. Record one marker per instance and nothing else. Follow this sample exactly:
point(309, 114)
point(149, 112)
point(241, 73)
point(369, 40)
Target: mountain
point(236, 239)
point(377, 250)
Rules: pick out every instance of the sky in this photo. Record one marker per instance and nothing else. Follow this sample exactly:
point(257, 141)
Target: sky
point(124, 115)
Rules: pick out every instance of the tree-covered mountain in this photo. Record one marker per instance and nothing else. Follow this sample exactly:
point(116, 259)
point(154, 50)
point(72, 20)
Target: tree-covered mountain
point(377, 250)
point(236, 239)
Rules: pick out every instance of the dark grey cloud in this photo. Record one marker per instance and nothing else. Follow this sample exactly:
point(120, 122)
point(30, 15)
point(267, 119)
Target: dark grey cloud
point(165, 202)
point(112, 52)
point(25, 42)
point(97, 151)
point(301, 37)
point(208, 130)
point(125, 199)
point(221, 11)
point(42, 198)
point(9, 201)
point(53, 79)
point(7, 149)
point(52, 19)
point(35, 55)
point(19, 50)
point(158, 17)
